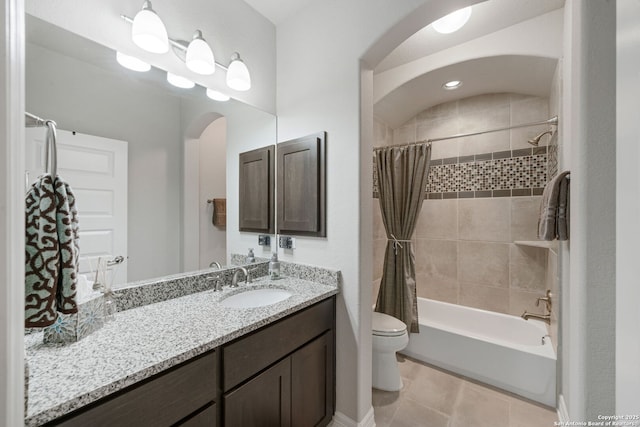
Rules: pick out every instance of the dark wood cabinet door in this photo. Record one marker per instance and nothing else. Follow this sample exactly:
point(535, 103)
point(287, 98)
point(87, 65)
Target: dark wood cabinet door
point(264, 401)
point(312, 383)
point(256, 192)
point(301, 186)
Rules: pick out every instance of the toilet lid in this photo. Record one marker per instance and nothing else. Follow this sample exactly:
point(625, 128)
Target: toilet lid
point(383, 324)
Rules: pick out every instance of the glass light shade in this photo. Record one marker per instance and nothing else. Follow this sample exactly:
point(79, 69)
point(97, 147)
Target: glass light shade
point(217, 96)
point(179, 81)
point(132, 63)
point(199, 57)
point(238, 77)
point(453, 21)
point(148, 32)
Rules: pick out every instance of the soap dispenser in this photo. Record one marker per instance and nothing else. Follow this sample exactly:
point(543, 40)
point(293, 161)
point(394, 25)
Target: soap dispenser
point(250, 257)
point(274, 267)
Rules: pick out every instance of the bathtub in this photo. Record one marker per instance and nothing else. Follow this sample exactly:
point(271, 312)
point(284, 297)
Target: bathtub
point(504, 351)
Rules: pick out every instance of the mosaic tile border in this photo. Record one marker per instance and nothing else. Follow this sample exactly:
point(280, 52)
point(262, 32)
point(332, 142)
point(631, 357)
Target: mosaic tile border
point(510, 173)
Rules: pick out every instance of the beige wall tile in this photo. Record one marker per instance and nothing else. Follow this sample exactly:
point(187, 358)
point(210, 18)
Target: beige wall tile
point(484, 263)
point(521, 301)
point(444, 110)
point(479, 409)
point(374, 295)
point(437, 128)
point(524, 217)
point(405, 133)
point(484, 102)
point(484, 219)
point(436, 289)
point(528, 268)
point(485, 143)
point(528, 110)
point(438, 220)
point(436, 259)
point(484, 297)
point(379, 248)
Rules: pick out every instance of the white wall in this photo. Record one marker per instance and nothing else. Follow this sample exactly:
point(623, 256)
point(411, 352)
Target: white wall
point(228, 26)
point(320, 87)
point(627, 208)
point(588, 127)
point(12, 214)
point(213, 184)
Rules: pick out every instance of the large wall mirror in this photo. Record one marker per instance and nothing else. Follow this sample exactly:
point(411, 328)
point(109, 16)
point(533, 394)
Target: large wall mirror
point(181, 149)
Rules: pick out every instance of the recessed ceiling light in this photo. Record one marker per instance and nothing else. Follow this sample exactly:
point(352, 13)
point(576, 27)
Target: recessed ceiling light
point(132, 63)
point(217, 96)
point(179, 81)
point(453, 21)
point(453, 84)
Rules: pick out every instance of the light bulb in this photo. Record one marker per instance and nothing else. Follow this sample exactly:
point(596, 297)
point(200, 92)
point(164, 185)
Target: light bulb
point(179, 81)
point(453, 84)
point(148, 32)
point(238, 77)
point(132, 63)
point(453, 21)
point(199, 57)
point(217, 96)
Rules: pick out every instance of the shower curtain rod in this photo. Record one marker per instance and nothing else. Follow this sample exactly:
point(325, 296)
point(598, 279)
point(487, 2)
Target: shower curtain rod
point(553, 121)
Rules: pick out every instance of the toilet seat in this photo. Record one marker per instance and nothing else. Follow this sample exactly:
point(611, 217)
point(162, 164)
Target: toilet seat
point(384, 325)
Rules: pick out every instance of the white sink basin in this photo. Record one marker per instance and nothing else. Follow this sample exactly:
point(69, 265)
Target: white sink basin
point(255, 298)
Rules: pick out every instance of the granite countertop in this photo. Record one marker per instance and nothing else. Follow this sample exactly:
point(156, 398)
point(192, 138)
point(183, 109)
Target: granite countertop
point(146, 340)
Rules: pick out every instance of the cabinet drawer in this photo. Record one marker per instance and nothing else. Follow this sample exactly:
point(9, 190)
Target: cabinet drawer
point(162, 400)
point(251, 354)
point(204, 418)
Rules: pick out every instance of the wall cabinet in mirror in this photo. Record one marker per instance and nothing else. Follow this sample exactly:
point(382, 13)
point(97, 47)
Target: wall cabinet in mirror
point(257, 190)
point(301, 186)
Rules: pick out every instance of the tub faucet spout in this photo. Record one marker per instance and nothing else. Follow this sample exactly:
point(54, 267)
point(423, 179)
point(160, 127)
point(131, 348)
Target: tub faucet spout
point(544, 317)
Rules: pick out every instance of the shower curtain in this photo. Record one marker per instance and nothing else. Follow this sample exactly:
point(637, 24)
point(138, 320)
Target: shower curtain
point(402, 179)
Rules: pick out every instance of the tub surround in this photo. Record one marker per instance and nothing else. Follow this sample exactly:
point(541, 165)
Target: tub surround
point(151, 338)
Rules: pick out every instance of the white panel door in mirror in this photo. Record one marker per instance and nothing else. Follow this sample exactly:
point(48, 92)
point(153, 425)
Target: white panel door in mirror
point(96, 169)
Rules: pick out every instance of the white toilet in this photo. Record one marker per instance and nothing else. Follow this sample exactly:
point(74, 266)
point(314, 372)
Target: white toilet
point(389, 335)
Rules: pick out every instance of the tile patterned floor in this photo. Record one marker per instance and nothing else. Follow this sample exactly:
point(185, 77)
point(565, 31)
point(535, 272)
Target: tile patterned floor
point(435, 398)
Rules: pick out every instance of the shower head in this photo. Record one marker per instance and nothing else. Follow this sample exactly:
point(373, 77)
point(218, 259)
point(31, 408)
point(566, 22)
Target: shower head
point(536, 140)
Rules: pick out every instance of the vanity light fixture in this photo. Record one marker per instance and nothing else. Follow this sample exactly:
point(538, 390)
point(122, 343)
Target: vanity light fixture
point(217, 96)
point(179, 81)
point(197, 54)
point(199, 58)
point(452, 85)
point(148, 32)
point(238, 77)
point(453, 21)
point(132, 63)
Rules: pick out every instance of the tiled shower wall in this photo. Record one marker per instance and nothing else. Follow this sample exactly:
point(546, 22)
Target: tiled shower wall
point(464, 237)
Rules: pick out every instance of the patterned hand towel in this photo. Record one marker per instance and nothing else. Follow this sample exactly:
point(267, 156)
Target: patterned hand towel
point(51, 251)
point(547, 220)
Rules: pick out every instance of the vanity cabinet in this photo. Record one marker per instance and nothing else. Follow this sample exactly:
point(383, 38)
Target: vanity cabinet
point(183, 395)
point(256, 190)
point(283, 374)
point(302, 187)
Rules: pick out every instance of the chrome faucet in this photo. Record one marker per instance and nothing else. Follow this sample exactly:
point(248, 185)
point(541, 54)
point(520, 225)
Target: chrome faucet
point(217, 286)
point(236, 276)
point(544, 317)
point(215, 264)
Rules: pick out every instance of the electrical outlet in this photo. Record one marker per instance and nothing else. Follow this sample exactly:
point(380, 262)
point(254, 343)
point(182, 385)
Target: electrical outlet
point(264, 240)
point(286, 242)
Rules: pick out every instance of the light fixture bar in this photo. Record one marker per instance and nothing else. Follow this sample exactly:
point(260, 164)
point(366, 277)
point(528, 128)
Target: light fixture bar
point(179, 44)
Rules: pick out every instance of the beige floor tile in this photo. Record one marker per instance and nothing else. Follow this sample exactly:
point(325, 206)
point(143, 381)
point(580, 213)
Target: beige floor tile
point(434, 389)
point(480, 409)
point(525, 414)
point(412, 414)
